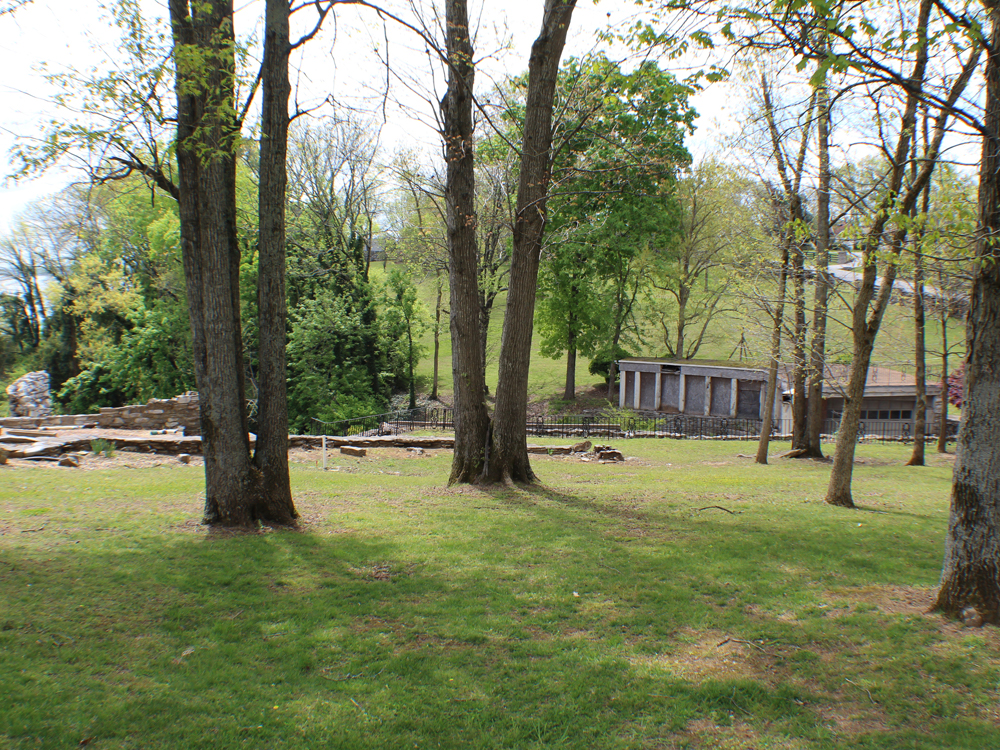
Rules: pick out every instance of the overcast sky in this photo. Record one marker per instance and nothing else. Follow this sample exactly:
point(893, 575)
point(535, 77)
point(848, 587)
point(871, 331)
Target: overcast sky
point(341, 62)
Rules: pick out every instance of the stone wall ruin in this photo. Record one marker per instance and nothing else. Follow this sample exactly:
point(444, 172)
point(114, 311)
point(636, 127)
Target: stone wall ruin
point(156, 414)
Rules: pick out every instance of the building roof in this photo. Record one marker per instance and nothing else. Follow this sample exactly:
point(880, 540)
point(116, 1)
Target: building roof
point(697, 362)
point(881, 381)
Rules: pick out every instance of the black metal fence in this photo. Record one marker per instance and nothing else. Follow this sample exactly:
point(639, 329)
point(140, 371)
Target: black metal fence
point(390, 423)
point(618, 426)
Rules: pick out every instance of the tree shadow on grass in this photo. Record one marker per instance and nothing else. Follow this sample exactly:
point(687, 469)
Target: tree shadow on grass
point(546, 626)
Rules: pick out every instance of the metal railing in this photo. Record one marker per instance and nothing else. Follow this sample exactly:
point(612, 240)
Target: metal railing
point(621, 426)
point(389, 423)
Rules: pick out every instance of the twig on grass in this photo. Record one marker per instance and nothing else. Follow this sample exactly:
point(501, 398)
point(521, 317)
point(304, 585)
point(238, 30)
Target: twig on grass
point(718, 507)
point(874, 702)
point(737, 706)
point(600, 561)
point(740, 640)
point(348, 676)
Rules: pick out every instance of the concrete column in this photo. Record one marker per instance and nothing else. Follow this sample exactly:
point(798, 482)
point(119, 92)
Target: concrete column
point(622, 379)
point(636, 390)
point(658, 391)
point(733, 391)
point(682, 393)
point(708, 395)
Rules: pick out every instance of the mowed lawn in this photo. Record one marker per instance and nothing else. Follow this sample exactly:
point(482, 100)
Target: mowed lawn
point(684, 599)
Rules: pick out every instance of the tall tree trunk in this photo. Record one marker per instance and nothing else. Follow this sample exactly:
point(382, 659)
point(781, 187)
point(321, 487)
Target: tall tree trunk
point(206, 160)
point(271, 452)
point(919, 318)
point(778, 321)
point(437, 339)
point(409, 358)
point(471, 418)
point(942, 441)
point(790, 184)
point(683, 294)
point(569, 392)
point(486, 301)
point(864, 330)
point(897, 202)
point(799, 347)
point(509, 453)
point(817, 355)
point(920, 420)
point(970, 576)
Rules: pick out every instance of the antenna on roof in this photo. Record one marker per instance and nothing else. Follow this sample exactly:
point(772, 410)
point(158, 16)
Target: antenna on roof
point(742, 346)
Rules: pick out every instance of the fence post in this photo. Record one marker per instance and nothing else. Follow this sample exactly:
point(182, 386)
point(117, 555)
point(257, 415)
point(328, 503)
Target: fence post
point(324, 450)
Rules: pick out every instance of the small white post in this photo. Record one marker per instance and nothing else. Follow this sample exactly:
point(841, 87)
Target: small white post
point(324, 451)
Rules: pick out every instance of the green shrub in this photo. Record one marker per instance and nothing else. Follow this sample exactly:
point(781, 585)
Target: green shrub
point(100, 445)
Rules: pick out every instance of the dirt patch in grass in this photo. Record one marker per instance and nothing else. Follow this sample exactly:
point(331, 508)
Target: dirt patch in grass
point(892, 600)
point(118, 460)
point(123, 459)
point(711, 654)
point(705, 733)
point(902, 600)
point(846, 715)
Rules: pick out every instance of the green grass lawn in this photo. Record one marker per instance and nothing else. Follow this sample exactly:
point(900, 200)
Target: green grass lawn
point(611, 607)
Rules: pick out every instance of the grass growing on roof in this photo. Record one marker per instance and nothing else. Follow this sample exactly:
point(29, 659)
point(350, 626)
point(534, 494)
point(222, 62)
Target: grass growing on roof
point(685, 598)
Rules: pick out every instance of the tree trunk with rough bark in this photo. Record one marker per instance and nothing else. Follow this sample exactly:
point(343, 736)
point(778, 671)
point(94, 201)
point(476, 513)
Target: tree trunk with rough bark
point(799, 362)
point(437, 339)
point(472, 421)
point(569, 392)
point(920, 360)
point(864, 330)
point(764, 441)
point(970, 576)
point(271, 452)
point(942, 441)
point(508, 460)
point(897, 202)
point(817, 354)
point(683, 294)
point(791, 179)
point(206, 158)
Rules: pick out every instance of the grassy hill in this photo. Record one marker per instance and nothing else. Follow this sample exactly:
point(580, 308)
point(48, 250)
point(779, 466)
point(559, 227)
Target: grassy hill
point(894, 349)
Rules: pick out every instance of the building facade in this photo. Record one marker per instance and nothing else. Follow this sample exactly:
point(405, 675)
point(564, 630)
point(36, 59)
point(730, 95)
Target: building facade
point(692, 388)
point(710, 389)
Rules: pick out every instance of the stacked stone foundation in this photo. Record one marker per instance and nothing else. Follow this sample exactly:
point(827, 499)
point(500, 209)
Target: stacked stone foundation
point(156, 414)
